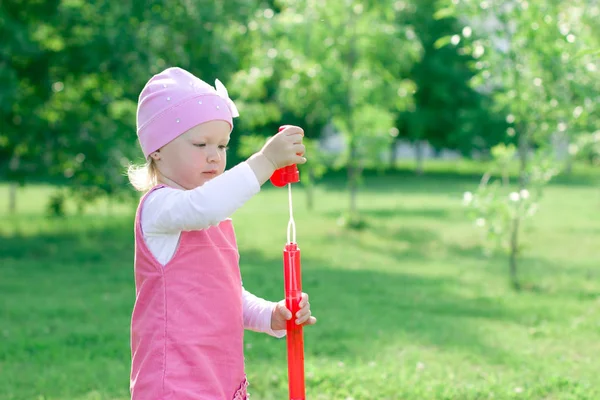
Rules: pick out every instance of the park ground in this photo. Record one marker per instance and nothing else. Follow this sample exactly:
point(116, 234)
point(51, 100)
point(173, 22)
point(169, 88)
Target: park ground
point(407, 308)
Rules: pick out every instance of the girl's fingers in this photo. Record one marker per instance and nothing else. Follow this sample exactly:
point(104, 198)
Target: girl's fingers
point(283, 311)
point(295, 138)
point(303, 300)
point(305, 309)
point(309, 321)
point(299, 160)
point(292, 130)
point(299, 149)
point(303, 316)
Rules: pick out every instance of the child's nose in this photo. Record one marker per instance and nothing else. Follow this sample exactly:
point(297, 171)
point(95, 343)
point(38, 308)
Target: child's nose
point(213, 155)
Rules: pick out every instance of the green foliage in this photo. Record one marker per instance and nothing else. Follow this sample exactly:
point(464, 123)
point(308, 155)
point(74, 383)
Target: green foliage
point(524, 56)
point(448, 112)
point(381, 71)
point(74, 74)
point(587, 148)
point(497, 202)
point(330, 62)
point(56, 204)
point(524, 61)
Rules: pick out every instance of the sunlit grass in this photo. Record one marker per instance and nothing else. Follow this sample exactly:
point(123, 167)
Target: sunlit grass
point(408, 308)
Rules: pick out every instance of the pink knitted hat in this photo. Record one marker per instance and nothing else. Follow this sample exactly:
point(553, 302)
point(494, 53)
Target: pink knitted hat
point(175, 101)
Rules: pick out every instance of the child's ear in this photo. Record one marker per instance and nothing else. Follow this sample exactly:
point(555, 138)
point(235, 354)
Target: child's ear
point(155, 155)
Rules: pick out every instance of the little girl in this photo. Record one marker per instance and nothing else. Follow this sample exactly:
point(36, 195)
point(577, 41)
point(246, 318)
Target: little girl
point(191, 309)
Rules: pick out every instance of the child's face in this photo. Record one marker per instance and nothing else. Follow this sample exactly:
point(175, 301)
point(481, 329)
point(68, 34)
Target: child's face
point(196, 156)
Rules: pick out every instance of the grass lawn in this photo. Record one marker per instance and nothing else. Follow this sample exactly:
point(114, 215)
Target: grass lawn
point(408, 308)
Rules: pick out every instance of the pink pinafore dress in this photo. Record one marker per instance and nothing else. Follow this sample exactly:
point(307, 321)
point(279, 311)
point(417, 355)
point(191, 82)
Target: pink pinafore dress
point(187, 325)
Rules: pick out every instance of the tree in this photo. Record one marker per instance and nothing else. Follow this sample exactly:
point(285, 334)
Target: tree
point(332, 62)
point(23, 66)
point(448, 112)
point(529, 66)
point(74, 73)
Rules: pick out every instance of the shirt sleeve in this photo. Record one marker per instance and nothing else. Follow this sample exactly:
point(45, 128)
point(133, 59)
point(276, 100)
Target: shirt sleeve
point(257, 314)
point(172, 210)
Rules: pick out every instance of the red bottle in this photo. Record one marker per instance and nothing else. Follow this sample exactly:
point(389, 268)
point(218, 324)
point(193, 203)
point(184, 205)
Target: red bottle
point(295, 335)
point(293, 293)
point(285, 175)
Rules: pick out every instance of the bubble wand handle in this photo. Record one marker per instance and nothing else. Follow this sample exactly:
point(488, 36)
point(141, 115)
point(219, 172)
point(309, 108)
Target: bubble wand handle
point(292, 272)
point(295, 334)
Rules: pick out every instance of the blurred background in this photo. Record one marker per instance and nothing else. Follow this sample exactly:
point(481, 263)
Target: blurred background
point(448, 214)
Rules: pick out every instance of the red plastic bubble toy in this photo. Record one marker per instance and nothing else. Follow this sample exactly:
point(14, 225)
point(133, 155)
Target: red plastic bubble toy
point(293, 289)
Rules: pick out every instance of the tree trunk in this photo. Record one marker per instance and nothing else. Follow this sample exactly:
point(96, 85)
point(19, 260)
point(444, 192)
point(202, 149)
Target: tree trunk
point(569, 166)
point(12, 198)
point(394, 153)
point(505, 177)
point(353, 170)
point(419, 157)
point(514, 249)
point(13, 166)
point(514, 239)
point(523, 147)
point(353, 179)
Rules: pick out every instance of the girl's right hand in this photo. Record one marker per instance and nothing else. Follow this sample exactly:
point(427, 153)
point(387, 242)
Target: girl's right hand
point(285, 148)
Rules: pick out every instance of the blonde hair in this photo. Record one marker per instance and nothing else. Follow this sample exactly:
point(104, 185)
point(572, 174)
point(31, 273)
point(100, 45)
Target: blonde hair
point(143, 177)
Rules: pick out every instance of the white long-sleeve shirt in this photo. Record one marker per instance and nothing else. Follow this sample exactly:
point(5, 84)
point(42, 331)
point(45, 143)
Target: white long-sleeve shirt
point(169, 211)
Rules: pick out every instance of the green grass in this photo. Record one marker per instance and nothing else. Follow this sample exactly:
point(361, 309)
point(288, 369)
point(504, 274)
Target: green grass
point(408, 308)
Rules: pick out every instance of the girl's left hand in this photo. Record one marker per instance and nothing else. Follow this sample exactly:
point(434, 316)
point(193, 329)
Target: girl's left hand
point(281, 314)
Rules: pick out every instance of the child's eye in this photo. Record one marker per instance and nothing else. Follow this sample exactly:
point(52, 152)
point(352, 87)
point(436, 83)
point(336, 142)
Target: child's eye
point(199, 144)
point(224, 147)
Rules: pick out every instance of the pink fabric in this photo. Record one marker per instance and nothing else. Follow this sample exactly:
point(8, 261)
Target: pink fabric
point(174, 101)
point(187, 324)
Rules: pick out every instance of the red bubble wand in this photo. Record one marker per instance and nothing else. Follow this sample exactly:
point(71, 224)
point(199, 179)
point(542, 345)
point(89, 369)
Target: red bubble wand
point(293, 288)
